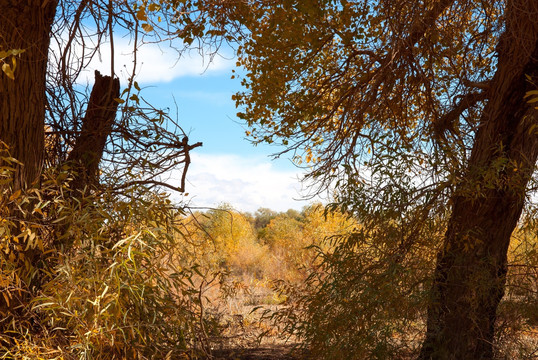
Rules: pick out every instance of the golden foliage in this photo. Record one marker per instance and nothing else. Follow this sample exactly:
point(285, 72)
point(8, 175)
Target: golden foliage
point(93, 276)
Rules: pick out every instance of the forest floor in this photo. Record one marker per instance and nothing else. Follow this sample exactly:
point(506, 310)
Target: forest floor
point(266, 352)
point(246, 330)
point(245, 342)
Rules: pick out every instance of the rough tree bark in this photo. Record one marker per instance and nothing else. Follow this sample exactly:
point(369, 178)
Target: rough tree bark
point(25, 25)
point(96, 127)
point(471, 268)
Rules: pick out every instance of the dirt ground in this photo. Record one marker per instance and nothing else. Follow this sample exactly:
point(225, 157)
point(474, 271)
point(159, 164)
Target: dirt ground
point(267, 352)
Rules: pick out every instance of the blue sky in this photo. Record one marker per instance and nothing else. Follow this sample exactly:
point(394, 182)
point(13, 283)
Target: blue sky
point(228, 168)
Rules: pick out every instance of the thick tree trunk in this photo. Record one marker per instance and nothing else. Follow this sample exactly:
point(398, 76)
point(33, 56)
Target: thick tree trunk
point(96, 128)
point(470, 274)
point(25, 25)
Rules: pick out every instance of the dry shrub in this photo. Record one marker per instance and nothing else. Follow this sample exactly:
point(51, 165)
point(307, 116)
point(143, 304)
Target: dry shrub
point(225, 240)
point(517, 327)
point(367, 293)
point(92, 276)
point(249, 258)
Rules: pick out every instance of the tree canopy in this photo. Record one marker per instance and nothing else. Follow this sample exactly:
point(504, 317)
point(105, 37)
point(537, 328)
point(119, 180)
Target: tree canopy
point(419, 115)
point(412, 110)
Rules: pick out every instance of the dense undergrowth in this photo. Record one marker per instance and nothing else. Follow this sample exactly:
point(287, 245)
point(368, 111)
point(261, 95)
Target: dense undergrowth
point(92, 276)
point(102, 275)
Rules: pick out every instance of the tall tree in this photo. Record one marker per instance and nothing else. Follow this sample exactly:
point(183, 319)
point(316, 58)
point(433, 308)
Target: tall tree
point(48, 119)
point(408, 107)
point(88, 161)
point(24, 26)
point(469, 280)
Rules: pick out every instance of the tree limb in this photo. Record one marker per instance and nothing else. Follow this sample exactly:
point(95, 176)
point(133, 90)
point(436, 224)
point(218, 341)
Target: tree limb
point(447, 121)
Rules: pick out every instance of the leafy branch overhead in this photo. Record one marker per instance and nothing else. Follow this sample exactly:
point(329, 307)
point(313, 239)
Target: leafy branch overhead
point(419, 118)
point(409, 110)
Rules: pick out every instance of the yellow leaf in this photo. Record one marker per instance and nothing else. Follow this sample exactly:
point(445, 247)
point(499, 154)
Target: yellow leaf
point(154, 7)
point(16, 52)
point(8, 71)
point(147, 27)
point(6, 298)
point(30, 240)
point(141, 15)
point(15, 195)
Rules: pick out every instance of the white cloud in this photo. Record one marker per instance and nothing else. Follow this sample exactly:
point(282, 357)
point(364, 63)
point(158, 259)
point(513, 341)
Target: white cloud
point(246, 183)
point(156, 63)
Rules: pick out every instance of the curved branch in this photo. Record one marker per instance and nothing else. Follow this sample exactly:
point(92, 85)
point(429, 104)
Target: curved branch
point(447, 121)
point(187, 148)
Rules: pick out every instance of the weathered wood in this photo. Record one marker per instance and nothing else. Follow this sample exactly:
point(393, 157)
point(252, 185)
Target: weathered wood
point(96, 128)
